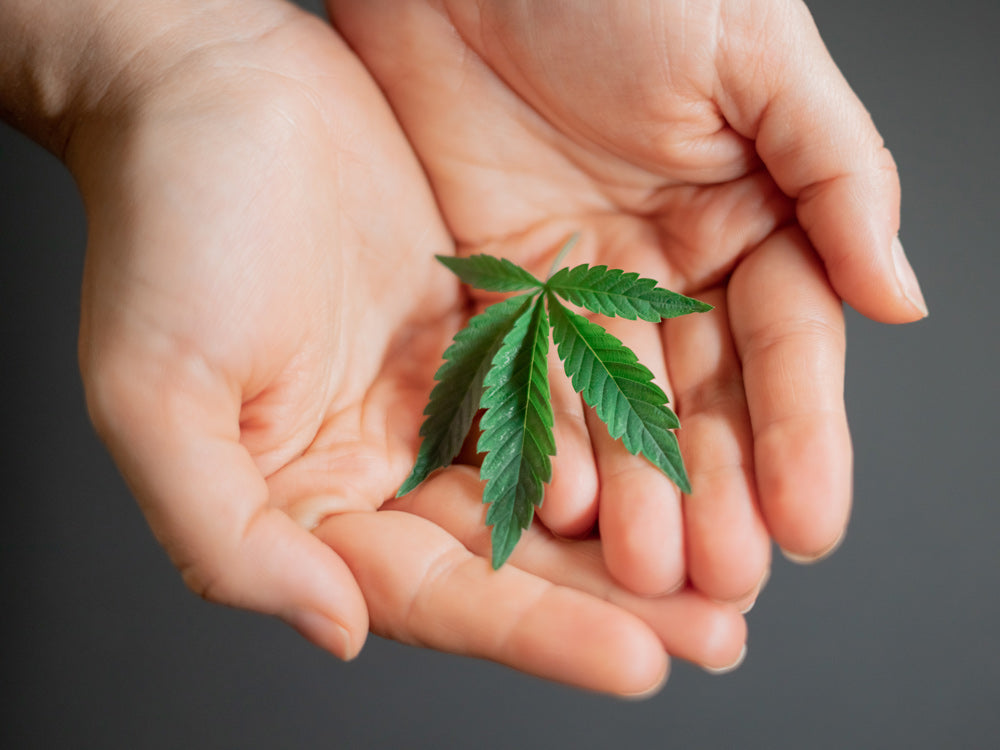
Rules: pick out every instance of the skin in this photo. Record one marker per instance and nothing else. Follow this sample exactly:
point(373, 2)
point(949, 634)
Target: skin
point(262, 317)
point(261, 320)
point(715, 147)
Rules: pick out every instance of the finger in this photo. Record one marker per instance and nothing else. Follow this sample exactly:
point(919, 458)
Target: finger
point(689, 625)
point(779, 86)
point(176, 440)
point(728, 546)
point(642, 527)
point(424, 588)
point(788, 327)
point(570, 505)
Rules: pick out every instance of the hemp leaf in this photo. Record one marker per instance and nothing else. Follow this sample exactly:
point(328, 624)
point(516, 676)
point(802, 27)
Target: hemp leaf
point(616, 293)
point(517, 430)
point(491, 274)
point(620, 389)
point(499, 363)
point(455, 399)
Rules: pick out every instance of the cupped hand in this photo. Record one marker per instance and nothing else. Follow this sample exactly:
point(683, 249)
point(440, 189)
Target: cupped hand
point(262, 318)
point(715, 147)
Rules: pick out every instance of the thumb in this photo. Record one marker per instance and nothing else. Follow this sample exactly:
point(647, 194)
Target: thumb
point(175, 438)
point(780, 87)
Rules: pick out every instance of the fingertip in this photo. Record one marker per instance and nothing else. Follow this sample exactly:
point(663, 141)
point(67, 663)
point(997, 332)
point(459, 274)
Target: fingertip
point(691, 626)
point(725, 645)
point(852, 222)
point(654, 688)
point(806, 485)
point(587, 642)
point(747, 602)
point(642, 663)
point(279, 568)
point(731, 574)
point(863, 257)
point(643, 541)
point(570, 505)
point(815, 556)
point(907, 279)
point(327, 633)
point(732, 666)
point(728, 544)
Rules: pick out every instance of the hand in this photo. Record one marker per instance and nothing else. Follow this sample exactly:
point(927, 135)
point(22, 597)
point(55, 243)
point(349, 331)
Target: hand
point(715, 147)
point(262, 318)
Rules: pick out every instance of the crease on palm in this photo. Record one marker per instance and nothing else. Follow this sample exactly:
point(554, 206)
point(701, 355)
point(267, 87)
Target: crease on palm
point(357, 458)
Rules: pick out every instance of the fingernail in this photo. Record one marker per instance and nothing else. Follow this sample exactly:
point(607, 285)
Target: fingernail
point(815, 557)
point(907, 278)
point(756, 592)
point(323, 631)
point(650, 691)
point(729, 667)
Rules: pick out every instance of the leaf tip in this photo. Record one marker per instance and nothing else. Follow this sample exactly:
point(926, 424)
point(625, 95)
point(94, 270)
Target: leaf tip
point(500, 555)
point(408, 486)
point(681, 479)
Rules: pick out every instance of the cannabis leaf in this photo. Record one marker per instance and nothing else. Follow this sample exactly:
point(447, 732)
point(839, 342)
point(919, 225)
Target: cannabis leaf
point(627, 295)
point(455, 399)
point(491, 274)
point(499, 363)
point(620, 389)
point(517, 430)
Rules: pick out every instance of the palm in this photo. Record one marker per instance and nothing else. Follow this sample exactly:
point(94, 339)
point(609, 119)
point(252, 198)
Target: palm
point(262, 320)
point(537, 120)
point(265, 253)
point(528, 115)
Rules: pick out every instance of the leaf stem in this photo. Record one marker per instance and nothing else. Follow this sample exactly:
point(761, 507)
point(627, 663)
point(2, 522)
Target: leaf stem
point(563, 252)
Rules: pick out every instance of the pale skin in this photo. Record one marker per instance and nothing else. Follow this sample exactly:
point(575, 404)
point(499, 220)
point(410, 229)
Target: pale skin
point(693, 142)
point(262, 317)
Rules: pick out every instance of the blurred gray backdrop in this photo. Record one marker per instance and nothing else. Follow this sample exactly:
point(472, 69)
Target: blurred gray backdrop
point(891, 643)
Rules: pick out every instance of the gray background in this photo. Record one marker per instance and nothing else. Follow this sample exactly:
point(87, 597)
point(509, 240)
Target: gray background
point(891, 643)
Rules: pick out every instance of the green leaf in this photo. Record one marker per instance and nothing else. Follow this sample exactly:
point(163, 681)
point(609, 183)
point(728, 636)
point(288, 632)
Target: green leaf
point(455, 399)
point(616, 293)
point(491, 274)
point(517, 430)
point(612, 380)
point(499, 363)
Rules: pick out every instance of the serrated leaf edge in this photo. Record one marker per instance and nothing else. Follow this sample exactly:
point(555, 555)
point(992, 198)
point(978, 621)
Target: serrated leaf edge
point(624, 294)
point(528, 488)
point(425, 463)
point(501, 274)
point(676, 473)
